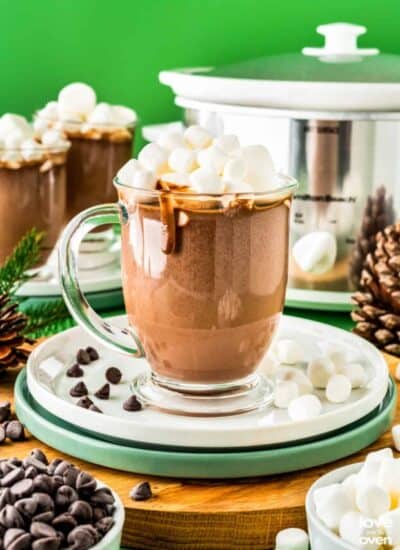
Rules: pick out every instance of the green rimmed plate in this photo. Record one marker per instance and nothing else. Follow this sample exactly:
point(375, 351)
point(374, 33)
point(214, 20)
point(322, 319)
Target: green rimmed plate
point(201, 465)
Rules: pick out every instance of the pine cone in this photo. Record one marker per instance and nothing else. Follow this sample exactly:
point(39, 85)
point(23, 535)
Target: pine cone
point(377, 316)
point(377, 215)
point(14, 347)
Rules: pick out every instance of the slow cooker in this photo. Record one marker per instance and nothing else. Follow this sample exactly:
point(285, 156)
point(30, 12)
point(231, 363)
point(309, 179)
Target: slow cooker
point(330, 117)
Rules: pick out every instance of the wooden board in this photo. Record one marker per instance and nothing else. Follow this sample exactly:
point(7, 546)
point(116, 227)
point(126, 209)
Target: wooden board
point(197, 515)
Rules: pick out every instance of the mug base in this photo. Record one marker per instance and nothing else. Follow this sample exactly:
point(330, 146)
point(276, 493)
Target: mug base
point(249, 394)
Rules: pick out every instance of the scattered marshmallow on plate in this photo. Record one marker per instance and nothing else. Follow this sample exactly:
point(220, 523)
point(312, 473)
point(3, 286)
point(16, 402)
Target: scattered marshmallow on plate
point(292, 539)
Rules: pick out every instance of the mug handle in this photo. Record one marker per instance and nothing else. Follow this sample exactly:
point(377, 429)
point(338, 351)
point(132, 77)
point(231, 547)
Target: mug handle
point(112, 336)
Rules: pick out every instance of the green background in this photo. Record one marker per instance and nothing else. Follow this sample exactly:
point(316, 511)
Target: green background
point(119, 46)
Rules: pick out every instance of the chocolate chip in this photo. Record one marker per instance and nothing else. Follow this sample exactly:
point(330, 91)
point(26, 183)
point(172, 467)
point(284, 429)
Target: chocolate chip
point(113, 375)
point(41, 530)
point(94, 408)
point(2, 434)
point(93, 353)
point(39, 455)
point(10, 517)
point(16, 539)
point(62, 467)
point(15, 461)
point(104, 525)
point(132, 404)
point(22, 488)
point(44, 501)
point(45, 517)
point(83, 357)
point(75, 371)
point(43, 484)
point(82, 537)
point(49, 543)
point(102, 496)
point(12, 477)
point(103, 392)
point(70, 476)
point(37, 464)
point(79, 390)
point(85, 483)
point(141, 491)
point(57, 482)
point(99, 513)
point(53, 465)
point(6, 497)
point(31, 472)
point(65, 522)
point(85, 402)
point(27, 507)
point(82, 511)
point(65, 496)
point(15, 430)
point(5, 410)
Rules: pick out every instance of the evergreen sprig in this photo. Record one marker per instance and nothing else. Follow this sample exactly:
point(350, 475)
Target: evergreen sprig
point(44, 316)
point(26, 254)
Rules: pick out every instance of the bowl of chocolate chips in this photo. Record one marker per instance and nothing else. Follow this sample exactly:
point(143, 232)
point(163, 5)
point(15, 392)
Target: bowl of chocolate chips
point(51, 505)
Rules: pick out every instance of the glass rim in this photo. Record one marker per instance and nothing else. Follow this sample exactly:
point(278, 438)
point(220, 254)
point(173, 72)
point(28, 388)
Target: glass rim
point(290, 185)
point(95, 125)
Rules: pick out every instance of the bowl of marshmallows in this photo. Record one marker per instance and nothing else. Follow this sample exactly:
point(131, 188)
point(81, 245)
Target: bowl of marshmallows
point(357, 506)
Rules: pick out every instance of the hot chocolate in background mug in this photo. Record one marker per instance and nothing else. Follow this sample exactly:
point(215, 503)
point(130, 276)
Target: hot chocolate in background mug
point(205, 229)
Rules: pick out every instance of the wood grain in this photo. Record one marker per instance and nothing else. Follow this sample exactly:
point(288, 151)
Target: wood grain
point(193, 515)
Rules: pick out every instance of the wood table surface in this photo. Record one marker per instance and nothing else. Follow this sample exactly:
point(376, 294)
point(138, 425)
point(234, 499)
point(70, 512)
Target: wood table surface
point(198, 515)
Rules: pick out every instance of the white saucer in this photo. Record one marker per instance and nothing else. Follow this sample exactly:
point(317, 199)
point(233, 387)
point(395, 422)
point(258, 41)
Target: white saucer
point(322, 300)
point(50, 387)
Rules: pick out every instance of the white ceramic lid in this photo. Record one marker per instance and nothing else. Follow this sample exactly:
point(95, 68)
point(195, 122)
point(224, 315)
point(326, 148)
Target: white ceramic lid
point(340, 76)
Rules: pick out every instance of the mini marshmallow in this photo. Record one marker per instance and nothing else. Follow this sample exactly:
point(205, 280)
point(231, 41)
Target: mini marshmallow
point(206, 181)
point(31, 149)
point(396, 436)
point(197, 137)
point(369, 472)
point(389, 476)
point(296, 375)
point(40, 125)
point(390, 523)
point(177, 178)
point(13, 157)
point(355, 529)
point(124, 115)
point(350, 486)
point(144, 179)
point(235, 171)
point(356, 373)
point(319, 371)
point(270, 365)
point(14, 140)
point(154, 158)
point(49, 111)
point(304, 407)
point(339, 357)
point(397, 372)
point(338, 389)
point(285, 392)
point(10, 123)
point(127, 171)
point(213, 159)
point(260, 171)
point(289, 351)
point(372, 500)
point(103, 113)
point(53, 138)
point(315, 252)
point(228, 143)
point(238, 187)
point(182, 159)
point(332, 505)
point(76, 98)
point(292, 539)
point(171, 140)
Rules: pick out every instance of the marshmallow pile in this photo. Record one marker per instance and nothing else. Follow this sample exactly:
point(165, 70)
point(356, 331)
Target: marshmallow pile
point(77, 110)
point(364, 509)
point(18, 143)
point(194, 161)
point(299, 382)
point(315, 252)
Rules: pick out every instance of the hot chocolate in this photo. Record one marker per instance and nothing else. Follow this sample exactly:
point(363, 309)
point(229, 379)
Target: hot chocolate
point(101, 137)
point(205, 312)
point(32, 185)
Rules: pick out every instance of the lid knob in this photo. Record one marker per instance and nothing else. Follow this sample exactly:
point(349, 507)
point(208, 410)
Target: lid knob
point(340, 43)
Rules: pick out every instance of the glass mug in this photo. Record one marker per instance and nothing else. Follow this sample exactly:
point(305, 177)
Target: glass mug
point(204, 280)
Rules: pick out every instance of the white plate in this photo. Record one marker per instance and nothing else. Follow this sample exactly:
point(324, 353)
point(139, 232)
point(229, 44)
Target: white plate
point(50, 387)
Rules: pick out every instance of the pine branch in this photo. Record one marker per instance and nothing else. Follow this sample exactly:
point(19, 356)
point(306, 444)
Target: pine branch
point(25, 255)
point(42, 316)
